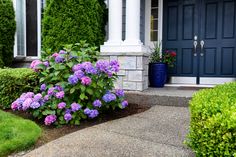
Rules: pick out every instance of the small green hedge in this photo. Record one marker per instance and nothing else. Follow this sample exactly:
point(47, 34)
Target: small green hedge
point(213, 122)
point(16, 133)
point(14, 82)
point(7, 32)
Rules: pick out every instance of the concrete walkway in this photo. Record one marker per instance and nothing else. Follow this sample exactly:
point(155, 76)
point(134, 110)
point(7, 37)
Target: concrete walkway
point(158, 132)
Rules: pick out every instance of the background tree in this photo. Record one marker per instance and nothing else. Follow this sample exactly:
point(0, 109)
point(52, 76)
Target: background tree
point(69, 21)
point(7, 32)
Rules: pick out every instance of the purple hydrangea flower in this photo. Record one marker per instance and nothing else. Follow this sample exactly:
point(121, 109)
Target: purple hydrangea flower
point(50, 119)
point(61, 105)
point(62, 52)
point(29, 95)
point(35, 105)
point(68, 110)
point(93, 113)
point(58, 88)
point(59, 59)
point(124, 104)
point(26, 104)
point(102, 65)
point(51, 91)
point(46, 63)
point(46, 98)
point(77, 67)
point(97, 103)
point(73, 79)
point(37, 97)
point(109, 97)
point(15, 105)
point(88, 67)
point(60, 95)
point(120, 93)
point(115, 67)
point(75, 107)
point(43, 87)
point(67, 117)
point(87, 111)
point(79, 74)
point(86, 80)
point(54, 55)
point(34, 65)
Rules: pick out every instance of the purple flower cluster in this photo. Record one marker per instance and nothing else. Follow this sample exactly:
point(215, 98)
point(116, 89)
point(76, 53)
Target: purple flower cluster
point(28, 101)
point(124, 104)
point(109, 68)
point(61, 105)
point(75, 107)
point(109, 97)
point(120, 93)
point(34, 65)
point(97, 103)
point(91, 113)
point(59, 59)
point(86, 80)
point(50, 119)
point(67, 117)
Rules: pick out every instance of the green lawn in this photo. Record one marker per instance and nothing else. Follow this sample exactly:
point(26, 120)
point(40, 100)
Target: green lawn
point(16, 133)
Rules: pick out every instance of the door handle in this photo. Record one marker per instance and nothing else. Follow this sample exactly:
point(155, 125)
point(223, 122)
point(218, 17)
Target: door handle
point(195, 48)
point(202, 47)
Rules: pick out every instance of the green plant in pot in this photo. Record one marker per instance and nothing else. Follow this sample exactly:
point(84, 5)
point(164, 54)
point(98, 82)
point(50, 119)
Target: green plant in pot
point(159, 63)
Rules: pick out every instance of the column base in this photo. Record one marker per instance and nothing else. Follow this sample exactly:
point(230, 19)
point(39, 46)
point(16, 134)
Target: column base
point(133, 74)
point(107, 48)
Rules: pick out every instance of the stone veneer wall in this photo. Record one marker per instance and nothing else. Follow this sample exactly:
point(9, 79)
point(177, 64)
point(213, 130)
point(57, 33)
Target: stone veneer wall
point(133, 74)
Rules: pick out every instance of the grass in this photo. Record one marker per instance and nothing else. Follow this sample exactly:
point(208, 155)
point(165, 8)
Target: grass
point(16, 133)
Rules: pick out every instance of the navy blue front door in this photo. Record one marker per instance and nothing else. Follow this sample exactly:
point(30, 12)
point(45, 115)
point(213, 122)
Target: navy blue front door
point(211, 25)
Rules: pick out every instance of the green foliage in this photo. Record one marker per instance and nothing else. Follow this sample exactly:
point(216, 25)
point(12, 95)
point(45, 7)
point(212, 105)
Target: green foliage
point(16, 134)
point(13, 82)
point(7, 32)
point(69, 21)
point(74, 86)
point(213, 121)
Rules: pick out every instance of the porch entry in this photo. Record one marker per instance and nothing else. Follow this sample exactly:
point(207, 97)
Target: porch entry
point(203, 33)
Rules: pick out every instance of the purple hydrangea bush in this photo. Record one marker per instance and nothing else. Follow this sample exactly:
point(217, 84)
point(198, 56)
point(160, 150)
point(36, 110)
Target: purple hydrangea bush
point(73, 87)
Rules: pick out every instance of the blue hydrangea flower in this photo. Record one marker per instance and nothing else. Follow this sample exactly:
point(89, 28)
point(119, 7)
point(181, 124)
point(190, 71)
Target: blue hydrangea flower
point(124, 104)
point(120, 93)
point(34, 105)
point(75, 107)
point(87, 111)
point(97, 103)
point(59, 59)
point(67, 117)
point(79, 74)
point(43, 87)
point(109, 97)
point(73, 79)
point(93, 113)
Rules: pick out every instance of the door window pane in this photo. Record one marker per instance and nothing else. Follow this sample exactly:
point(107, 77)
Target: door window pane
point(20, 29)
point(154, 21)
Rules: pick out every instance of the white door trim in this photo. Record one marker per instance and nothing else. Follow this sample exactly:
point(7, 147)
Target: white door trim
point(39, 17)
point(148, 5)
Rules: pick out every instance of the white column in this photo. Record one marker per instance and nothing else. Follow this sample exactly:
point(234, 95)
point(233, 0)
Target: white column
point(132, 31)
point(114, 22)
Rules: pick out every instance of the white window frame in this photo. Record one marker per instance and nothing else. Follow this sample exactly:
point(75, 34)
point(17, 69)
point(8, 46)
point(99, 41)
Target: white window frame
point(38, 31)
point(148, 41)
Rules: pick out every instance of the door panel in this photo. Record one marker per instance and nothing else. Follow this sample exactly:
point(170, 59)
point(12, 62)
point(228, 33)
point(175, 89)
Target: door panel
point(218, 32)
point(214, 23)
point(181, 21)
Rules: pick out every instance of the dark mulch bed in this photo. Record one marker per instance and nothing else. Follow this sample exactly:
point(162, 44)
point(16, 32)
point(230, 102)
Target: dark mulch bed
point(51, 133)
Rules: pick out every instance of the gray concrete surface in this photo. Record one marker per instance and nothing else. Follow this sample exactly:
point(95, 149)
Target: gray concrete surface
point(168, 96)
point(157, 132)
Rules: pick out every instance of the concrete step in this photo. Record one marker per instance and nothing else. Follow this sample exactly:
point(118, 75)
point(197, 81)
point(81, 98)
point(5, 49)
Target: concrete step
point(167, 96)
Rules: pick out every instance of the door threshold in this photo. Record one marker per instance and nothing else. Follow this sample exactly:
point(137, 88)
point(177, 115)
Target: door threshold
point(190, 85)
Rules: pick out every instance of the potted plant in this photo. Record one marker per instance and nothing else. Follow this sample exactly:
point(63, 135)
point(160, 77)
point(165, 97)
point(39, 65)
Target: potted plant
point(159, 63)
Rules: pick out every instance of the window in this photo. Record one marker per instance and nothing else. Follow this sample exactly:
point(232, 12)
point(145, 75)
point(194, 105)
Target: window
point(154, 21)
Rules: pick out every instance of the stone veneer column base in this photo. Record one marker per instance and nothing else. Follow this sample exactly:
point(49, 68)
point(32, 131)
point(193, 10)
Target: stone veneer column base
point(133, 74)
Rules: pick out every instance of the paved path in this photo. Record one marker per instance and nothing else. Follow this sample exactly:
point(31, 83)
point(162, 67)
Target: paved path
point(158, 132)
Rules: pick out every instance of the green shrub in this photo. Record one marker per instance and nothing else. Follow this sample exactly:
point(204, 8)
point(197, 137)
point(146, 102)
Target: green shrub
point(69, 21)
point(7, 32)
point(213, 121)
point(13, 82)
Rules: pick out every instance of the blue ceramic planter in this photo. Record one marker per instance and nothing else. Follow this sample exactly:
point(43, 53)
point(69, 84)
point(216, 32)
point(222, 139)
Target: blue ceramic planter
point(157, 74)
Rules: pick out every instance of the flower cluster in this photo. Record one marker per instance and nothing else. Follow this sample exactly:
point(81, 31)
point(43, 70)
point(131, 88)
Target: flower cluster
point(72, 89)
point(28, 101)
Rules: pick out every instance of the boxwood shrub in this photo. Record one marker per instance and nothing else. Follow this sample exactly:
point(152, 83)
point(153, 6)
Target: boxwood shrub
point(70, 21)
point(7, 32)
point(14, 82)
point(213, 121)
